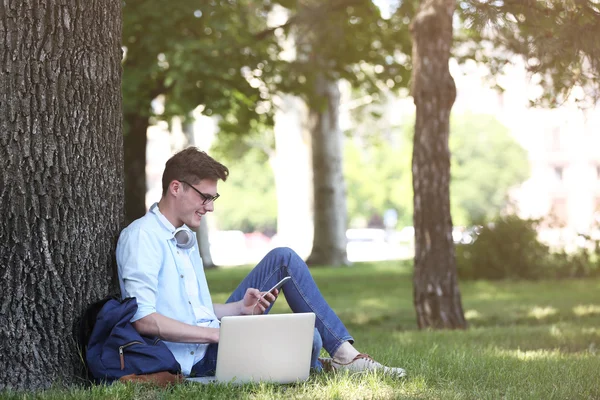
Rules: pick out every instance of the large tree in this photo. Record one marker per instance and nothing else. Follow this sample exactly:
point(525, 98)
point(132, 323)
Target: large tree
point(557, 39)
point(436, 293)
point(61, 173)
point(335, 40)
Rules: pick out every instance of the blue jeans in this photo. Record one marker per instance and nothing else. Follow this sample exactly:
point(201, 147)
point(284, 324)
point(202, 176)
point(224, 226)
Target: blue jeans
point(302, 295)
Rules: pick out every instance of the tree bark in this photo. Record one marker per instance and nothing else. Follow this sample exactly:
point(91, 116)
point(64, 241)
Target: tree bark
point(436, 294)
point(61, 193)
point(135, 140)
point(330, 214)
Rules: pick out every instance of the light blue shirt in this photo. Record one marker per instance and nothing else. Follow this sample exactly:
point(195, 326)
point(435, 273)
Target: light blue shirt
point(165, 279)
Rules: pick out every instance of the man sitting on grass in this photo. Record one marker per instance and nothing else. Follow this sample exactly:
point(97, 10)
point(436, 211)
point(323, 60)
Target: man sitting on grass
point(159, 265)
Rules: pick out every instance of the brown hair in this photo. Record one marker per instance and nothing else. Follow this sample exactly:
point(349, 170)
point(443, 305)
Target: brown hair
point(192, 165)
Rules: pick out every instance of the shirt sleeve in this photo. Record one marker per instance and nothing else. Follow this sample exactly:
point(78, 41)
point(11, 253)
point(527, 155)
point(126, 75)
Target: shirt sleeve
point(139, 263)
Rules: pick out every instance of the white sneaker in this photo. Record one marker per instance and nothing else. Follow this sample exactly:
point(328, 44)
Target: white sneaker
point(362, 363)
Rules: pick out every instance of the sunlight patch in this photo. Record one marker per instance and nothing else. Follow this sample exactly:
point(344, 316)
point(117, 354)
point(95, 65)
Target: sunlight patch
point(591, 331)
point(472, 314)
point(555, 331)
point(361, 318)
point(530, 355)
point(359, 386)
point(372, 302)
point(585, 310)
point(542, 312)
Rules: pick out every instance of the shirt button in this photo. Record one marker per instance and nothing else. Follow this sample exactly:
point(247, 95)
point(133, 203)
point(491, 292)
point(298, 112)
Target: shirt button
point(191, 352)
point(190, 302)
point(182, 276)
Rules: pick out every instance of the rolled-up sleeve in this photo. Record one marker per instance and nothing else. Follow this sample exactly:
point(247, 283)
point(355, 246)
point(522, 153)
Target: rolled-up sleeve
point(139, 262)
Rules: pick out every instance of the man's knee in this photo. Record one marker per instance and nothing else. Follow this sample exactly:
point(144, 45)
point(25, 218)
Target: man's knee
point(284, 253)
point(281, 257)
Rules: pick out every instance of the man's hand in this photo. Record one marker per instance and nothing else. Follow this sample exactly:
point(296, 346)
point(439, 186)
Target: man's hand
point(254, 303)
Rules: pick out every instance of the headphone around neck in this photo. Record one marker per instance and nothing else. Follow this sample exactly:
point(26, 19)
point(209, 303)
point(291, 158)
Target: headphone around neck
point(184, 237)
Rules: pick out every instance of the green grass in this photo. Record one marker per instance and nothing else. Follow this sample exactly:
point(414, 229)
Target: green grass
point(526, 340)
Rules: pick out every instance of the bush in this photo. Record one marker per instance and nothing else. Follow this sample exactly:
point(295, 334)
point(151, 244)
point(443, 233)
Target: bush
point(582, 263)
point(509, 248)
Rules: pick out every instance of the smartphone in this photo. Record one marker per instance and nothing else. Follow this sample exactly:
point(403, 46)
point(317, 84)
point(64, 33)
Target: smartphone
point(278, 285)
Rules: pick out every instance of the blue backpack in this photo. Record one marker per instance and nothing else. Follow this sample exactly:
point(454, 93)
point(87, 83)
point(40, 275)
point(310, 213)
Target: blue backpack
point(115, 350)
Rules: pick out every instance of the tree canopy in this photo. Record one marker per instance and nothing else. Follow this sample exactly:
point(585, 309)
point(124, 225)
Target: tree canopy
point(557, 39)
point(193, 53)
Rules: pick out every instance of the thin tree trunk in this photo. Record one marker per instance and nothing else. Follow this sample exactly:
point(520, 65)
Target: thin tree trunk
point(330, 214)
point(436, 293)
point(135, 140)
point(61, 193)
point(204, 244)
point(202, 231)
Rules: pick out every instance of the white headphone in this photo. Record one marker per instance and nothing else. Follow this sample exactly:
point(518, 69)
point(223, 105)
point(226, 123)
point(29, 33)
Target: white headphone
point(184, 237)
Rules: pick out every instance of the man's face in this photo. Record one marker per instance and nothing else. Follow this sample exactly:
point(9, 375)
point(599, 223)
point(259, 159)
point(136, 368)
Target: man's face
point(195, 200)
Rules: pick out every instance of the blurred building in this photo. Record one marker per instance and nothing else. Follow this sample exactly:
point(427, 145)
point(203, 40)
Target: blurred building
point(563, 146)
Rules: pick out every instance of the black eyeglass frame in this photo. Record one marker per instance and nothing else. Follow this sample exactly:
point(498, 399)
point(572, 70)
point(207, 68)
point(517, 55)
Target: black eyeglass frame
point(206, 198)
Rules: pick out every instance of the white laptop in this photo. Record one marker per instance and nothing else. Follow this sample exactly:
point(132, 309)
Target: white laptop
point(269, 348)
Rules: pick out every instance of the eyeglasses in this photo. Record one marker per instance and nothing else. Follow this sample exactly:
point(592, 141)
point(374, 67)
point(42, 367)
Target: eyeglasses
point(207, 198)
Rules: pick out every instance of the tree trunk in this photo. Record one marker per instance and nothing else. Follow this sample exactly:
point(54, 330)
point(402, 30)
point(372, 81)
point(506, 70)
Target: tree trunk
point(135, 140)
point(61, 193)
point(436, 293)
point(291, 165)
point(202, 231)
point(204, 244)
point(329, 240)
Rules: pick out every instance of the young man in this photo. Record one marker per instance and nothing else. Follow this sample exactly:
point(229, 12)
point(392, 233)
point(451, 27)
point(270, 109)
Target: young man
point(160, 266)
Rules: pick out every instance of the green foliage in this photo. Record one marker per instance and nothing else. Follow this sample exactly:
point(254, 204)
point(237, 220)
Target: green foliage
point(222, 55)
point(378, 177)
point(557, 39)
point(333, 40)
point(194, 53)
point(509, 249)
point(345, 39)
point(506, 249)
point(583, 262)
point(248, 200)
point(486, 163)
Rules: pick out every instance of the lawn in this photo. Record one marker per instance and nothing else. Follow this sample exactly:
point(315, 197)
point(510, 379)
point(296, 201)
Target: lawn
point(526, 340)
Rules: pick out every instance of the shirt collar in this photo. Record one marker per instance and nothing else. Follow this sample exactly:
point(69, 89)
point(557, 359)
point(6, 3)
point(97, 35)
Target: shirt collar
point(164, 222)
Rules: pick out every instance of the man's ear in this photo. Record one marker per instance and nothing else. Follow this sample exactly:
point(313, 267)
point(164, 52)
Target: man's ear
point(175, 187)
